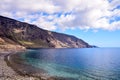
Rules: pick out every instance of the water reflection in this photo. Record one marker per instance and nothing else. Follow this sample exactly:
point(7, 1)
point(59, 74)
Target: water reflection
point(98, 63)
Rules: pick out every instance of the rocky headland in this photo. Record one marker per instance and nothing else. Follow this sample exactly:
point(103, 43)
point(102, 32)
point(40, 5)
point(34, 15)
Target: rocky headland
point(17, 36)
point(26, 35)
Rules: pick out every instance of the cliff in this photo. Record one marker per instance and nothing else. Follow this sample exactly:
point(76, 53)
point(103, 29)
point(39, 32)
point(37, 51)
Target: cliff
point(16, 33)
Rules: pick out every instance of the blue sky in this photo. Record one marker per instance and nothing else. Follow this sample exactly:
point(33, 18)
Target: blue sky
point(101, 38)
point(95, 21)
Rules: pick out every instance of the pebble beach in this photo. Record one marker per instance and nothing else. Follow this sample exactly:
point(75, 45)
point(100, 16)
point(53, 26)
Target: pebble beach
point(7, 73)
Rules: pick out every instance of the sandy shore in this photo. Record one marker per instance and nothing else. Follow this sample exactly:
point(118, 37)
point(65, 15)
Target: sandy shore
point(7, 73)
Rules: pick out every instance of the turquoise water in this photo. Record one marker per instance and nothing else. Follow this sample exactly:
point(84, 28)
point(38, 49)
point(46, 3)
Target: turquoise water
point(77, 64)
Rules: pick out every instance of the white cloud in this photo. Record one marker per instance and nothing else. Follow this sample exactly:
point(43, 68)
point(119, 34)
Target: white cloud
point(115, 3)
point(41, 22)
point(65, 14)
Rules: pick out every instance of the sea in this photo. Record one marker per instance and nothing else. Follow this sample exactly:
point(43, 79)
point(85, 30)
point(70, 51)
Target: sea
point(75, 63)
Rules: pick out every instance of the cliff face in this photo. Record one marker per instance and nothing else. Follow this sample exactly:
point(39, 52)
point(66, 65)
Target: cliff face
point(30, 36)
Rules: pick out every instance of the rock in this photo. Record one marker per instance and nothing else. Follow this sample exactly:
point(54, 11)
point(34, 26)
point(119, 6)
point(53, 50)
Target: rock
point(1, 41)
point(30, 36)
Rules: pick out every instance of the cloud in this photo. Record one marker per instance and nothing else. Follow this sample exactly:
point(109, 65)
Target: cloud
point(43, 23)
point(65, 14)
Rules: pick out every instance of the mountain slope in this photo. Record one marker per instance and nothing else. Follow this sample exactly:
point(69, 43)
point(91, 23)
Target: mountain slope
point(30, 36)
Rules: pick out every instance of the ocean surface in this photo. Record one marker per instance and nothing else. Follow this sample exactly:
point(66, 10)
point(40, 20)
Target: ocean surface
point(76, 64)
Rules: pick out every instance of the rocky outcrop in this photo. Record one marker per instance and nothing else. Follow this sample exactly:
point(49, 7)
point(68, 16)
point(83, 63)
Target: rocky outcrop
point(30, 36)
point(5, 46)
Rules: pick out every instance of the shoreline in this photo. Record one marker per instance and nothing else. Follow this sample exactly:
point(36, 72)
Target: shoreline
point(7, 72)
point(12, 71)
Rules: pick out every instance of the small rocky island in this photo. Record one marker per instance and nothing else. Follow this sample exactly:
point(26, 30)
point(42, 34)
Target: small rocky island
point(17, 36)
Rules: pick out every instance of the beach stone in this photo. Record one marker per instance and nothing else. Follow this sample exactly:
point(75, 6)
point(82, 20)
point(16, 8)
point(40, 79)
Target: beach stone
point(7, 73)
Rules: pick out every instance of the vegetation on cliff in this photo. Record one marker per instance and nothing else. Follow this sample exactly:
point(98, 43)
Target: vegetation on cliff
point(13, 32)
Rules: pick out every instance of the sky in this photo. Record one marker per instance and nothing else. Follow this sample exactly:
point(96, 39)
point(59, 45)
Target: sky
point(95, 21)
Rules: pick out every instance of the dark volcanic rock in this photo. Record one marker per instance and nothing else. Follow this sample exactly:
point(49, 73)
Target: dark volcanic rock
point(30, 36)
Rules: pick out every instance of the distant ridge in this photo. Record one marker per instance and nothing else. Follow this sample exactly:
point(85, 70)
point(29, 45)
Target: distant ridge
point(14, 32)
